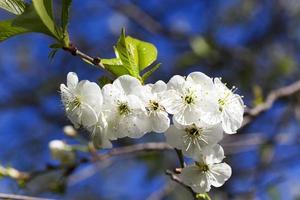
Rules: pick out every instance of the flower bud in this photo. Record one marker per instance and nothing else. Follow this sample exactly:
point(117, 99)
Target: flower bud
point(62, 152)
point(70, 131)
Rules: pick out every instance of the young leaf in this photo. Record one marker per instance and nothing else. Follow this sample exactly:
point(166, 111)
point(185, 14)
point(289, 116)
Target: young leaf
point(115, 66)
point(66, 4)
point(16, 7)
point(125, 54)
point(103, 80)
point(52, 53)
point(144, 53)
point(44, 11)
point(150, 72)
point(7, 30)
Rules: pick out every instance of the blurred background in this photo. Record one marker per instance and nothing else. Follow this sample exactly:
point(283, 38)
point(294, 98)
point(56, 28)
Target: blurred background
point(253, 44)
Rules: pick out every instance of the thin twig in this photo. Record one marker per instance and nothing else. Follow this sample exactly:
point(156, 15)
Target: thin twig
point(19, 197)
point(137, 148)
point(75, 52)
point(151, 146)
point(180, 157)
point(286, 91)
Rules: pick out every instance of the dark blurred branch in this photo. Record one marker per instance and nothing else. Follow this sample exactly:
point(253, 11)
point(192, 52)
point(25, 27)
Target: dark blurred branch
point(286, 91)
point(137, 148)
point(162, 192)
point(19, 197)
point(138, 15)
point(175, 178)
point(143, 19)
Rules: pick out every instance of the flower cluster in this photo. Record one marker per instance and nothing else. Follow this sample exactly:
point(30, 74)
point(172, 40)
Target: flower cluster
point(200, 108)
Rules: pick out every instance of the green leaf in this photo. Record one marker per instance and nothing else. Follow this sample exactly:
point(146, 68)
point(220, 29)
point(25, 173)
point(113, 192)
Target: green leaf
point(7, 30)
point(52, 53)
point(132, 56)
point(150, 72)
point(125, 54)
point(204, 196)
point(66, 4)
point(56, 46)
point(115, 66)
point(16, 7)
point(29, 21)
point(104, 80)
point(44, 10)
point(144, 53)
point(65, 16)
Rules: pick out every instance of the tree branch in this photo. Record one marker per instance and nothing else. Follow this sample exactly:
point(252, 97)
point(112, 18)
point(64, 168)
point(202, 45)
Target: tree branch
point(75, 52)
point(178, 180)
point(286, 91)
point(19, 197)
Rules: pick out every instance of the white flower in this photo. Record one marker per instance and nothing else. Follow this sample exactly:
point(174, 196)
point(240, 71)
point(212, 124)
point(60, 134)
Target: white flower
point(193, 138)
point(62, 152)
point(126, 114)
point(230, 108)
point(99, 133)
point(153, 97)
point(208, 170)
point(81, 100)
point(192, 99)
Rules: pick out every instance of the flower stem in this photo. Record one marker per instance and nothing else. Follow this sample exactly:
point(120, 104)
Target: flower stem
point(180, 157)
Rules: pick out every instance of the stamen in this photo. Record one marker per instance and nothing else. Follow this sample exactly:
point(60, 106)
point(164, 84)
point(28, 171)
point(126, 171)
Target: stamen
point(123, 108)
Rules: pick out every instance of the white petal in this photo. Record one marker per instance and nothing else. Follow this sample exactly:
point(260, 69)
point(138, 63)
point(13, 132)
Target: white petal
point(187, 116)
point(88, 115)
point(211, 133)
point(160, 122)
point(132, 126)
point(143, 92)
point(201, 79)
point(193, 177)
point(91, 94)
point(172, 102)
point(213, 154)
point(176, 82)
point(159, 86)
point(72, 80)
point(174, 137)
point(126, 83)
point(74, 117)
point(231, 120)
point(219, 174)
point(66, 95)
point(135, 103)
point(110, 93)
point(100, 141)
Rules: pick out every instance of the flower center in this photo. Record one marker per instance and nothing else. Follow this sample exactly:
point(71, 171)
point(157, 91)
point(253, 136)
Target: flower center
point(194, 137)
point(193, 131)
point(189, 97)
point(74, 103)
point(203, 167)
point(221, 103)
point(123, 109)
point(154, 105)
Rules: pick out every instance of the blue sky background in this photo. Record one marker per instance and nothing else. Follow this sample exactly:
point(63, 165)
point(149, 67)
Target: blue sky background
point(253, 45)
